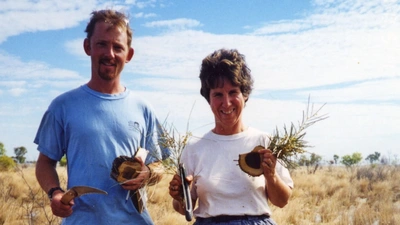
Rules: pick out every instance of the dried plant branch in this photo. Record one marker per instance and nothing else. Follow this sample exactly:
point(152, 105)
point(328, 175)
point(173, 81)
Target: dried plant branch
point(176, 142)
point(36, 202)
point(291, 143)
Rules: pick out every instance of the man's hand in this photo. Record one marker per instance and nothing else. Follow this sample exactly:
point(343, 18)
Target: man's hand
point(58, 208)
point(140, 180)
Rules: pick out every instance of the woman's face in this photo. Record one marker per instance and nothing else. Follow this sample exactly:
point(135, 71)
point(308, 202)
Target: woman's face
point(227, 103)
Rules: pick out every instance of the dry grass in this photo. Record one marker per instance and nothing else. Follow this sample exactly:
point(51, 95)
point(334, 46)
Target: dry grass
point(333, 195)
point(22, 199)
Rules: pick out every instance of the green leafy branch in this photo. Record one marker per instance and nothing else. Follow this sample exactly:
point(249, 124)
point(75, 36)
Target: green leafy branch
point(291, 142)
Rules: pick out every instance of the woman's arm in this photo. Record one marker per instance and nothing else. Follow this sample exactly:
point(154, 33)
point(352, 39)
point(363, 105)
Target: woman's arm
point(277, 191)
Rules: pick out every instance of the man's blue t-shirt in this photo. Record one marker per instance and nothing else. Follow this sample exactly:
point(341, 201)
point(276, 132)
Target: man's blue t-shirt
point(92, 129)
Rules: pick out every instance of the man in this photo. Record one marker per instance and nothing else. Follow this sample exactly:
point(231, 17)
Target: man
point(96, 123)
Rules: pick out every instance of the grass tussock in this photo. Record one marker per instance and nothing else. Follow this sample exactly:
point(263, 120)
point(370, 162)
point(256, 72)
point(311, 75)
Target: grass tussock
point(22, 199)
point(332, 196)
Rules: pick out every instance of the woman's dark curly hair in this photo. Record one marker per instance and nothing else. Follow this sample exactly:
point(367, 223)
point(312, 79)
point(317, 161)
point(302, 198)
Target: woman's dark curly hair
point(225, 64)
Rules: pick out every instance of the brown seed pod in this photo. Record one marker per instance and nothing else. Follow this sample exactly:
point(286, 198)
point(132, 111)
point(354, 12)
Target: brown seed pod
point(125, 168)
point(250, 163)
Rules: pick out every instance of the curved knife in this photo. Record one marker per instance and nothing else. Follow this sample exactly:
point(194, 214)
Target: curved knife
point(78, 191)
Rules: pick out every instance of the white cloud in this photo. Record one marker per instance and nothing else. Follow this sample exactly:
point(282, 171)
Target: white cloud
point(42, 15)
point(309, 59)
point(346, 56)
point(376, 91)
point(75, 47)
point(177, 109)
point(17, 91)
point(283, 27)
point(342, 46)
point(14, 69)
point(145, 4)
point(12, 83)
point(164, 85)
point(27, 16)
point(144, 15)
point(176, 24)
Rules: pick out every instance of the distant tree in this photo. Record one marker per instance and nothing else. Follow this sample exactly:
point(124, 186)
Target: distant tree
point(313, 161)
point(2, 149)
point(373, 157)
point(384, 160)
point(19, 154)
point(335, 158)
point(303, 161)
point(350, 160)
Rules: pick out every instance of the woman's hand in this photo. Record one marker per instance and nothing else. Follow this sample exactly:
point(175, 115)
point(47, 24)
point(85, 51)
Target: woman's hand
point(175, 188)
point(176, 192)
point(268, 163)
point(275, 189)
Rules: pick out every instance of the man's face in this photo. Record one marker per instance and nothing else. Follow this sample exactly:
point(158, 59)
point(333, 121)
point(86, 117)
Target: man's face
point(108, 50)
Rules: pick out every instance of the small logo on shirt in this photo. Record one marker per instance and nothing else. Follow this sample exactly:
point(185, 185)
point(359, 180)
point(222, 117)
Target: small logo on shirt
point(133, 125)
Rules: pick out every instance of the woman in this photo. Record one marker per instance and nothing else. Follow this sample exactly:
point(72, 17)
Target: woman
point(224, 193)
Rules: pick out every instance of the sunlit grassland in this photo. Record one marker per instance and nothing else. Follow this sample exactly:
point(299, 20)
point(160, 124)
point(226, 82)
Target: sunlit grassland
point(332, 195)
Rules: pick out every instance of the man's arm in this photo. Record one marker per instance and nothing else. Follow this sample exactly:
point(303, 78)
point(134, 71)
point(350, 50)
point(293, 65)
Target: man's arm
point(47, 176)
point(46, 173)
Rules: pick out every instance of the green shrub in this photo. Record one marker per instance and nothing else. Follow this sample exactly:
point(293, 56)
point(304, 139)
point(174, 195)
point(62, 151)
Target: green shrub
point(6, 163)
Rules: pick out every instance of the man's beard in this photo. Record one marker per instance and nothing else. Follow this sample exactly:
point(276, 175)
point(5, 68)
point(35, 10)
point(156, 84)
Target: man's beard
point(106, 73)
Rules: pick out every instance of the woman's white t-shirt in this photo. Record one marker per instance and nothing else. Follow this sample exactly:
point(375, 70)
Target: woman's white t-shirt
point(219, 185)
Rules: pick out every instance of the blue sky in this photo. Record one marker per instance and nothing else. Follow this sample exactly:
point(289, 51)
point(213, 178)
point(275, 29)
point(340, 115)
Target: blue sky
point(344, 53)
